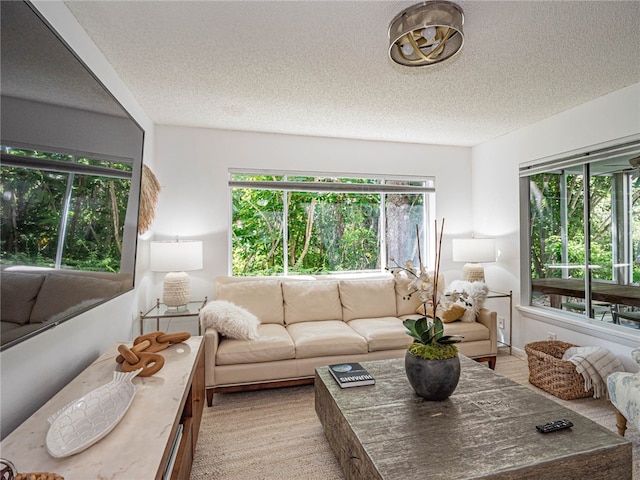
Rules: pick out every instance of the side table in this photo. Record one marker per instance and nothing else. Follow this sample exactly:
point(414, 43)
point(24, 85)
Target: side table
point(496, 294)
point(160, 310)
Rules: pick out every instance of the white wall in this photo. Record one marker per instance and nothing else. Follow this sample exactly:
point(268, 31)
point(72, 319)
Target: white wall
point(193, 169)
point(34, 370)
point(496, 198)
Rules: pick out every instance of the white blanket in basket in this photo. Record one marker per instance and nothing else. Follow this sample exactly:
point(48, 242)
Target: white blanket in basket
point(594, 364)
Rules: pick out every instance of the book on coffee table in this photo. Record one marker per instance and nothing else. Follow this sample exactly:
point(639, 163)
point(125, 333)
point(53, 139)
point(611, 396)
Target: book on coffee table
point(351, 375)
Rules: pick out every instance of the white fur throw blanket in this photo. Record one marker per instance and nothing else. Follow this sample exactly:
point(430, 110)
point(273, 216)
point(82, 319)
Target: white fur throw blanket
point(595, 364)
point(230, 320)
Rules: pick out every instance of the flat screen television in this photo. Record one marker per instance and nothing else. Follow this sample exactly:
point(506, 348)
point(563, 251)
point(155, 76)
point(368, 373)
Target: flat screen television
point(71, 169)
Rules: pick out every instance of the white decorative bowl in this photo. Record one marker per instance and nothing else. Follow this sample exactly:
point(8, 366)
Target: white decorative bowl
point(86, 420)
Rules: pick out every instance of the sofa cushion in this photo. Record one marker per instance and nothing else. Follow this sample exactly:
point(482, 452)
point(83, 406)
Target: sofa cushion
point(405, 305)
point(311, 301)
point(471, 331)
point(367, 298)
point(386, 333)
point(18, 292)
point(325, 338)
point(262, 298)
point(273, 343)
point(60, 292)
point(230, 320)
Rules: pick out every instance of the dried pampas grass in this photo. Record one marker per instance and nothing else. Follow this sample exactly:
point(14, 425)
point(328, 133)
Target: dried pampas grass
point(149, 191)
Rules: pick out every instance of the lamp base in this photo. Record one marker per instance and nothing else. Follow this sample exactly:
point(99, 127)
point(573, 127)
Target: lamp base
point(176, 289)
point(473, 272)
point(178, 309)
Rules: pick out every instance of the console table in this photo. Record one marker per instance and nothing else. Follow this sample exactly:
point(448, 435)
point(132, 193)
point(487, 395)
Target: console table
point(167, 406)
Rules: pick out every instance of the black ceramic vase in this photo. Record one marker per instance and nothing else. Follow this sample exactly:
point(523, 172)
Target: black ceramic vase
point(432, 379)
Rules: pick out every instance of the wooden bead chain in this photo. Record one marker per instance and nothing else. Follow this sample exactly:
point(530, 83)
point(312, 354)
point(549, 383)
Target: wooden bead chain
point(143, 352)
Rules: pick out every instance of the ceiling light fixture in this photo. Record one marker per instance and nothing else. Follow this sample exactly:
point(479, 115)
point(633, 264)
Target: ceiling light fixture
point(426, 34)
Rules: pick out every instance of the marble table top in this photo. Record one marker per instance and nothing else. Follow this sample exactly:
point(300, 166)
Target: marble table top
point(135, 447)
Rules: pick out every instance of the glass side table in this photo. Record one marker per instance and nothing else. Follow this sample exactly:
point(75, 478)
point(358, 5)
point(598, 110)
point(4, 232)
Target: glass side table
point(495, 294)
point(160, 310)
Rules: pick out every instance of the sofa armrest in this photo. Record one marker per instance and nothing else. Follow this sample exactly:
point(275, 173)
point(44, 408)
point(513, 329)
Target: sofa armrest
point(211, 342)
point(490, 320)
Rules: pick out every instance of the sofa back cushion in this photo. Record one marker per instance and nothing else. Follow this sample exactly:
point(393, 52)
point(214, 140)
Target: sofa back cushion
point(263, 298)
point(311, 301)
point(18, 292)
point(405, 305)
point(367, 298)
point(60, 293)
point(409, 306)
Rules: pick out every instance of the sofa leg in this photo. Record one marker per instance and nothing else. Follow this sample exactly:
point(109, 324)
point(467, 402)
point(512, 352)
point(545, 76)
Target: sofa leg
point(621, 423)
point(491, 360)
point(209, 397)
point(492, 363)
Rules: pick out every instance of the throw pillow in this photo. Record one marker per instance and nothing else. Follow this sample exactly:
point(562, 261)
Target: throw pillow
point(476, 294)
point(230, 320)
point(449, 312)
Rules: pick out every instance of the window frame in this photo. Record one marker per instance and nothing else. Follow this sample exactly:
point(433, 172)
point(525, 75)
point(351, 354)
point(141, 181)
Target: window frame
point(561, 318)
point(71, 168)
point(428, 189)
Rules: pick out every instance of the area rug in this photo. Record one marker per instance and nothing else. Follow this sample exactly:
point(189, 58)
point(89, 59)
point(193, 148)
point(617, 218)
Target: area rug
point(276, 435)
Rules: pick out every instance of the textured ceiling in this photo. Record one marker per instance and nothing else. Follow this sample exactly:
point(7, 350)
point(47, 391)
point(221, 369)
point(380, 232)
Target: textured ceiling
point(321, 68)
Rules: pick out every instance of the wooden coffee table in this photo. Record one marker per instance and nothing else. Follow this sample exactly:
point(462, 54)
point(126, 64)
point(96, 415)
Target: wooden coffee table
point(486, 429)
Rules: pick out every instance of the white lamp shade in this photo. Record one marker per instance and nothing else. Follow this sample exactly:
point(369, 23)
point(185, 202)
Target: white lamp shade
point(175, 256)
point(474, 250)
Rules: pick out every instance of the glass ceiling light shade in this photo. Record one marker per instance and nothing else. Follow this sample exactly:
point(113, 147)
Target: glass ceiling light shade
point(426, 34)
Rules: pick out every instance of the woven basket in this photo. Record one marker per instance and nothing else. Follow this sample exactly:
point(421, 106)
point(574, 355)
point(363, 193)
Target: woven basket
point(549, 372)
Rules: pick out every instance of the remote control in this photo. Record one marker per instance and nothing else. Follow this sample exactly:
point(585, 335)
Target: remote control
point(554, 426)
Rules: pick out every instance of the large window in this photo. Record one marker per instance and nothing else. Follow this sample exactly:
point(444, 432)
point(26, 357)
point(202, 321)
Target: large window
point(292, 224)
point(584, 234)
point(63, 211)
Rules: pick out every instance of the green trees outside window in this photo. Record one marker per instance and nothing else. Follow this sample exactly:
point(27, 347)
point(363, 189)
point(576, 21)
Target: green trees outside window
point(62, 212)
point(296, 225)
point(584, 234)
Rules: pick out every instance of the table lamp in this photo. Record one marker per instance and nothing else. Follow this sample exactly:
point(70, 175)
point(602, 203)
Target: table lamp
point(176, 257)
point(474, 251)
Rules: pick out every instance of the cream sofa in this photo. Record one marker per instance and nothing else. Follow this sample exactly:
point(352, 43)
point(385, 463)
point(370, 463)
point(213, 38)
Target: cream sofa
point(33, 298)
point(307, 323)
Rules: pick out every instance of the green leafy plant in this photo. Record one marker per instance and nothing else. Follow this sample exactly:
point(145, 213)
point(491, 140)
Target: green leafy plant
point(429, 340)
